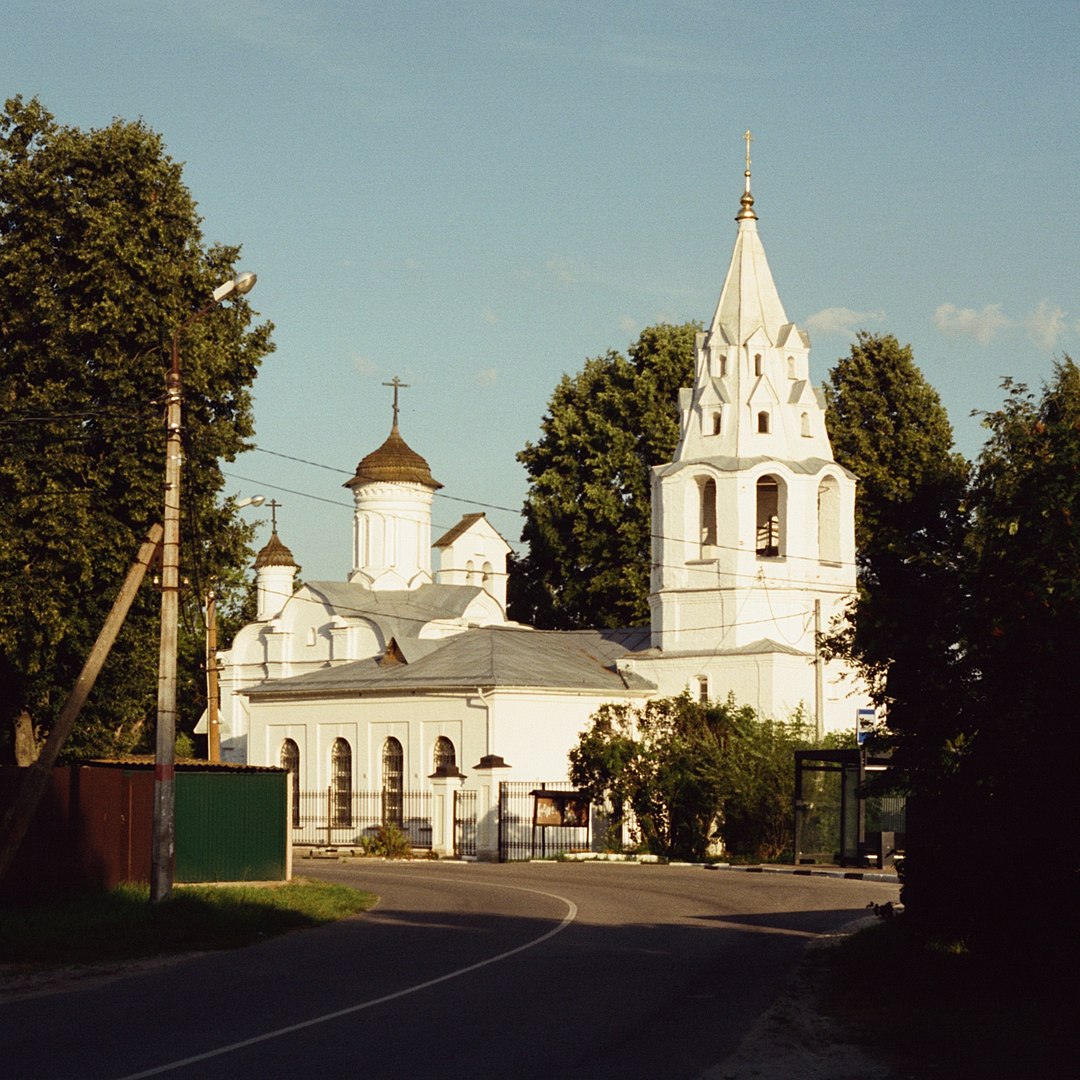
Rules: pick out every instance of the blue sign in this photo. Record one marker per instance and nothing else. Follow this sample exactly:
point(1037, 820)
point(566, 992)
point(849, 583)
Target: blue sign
point(865, 720)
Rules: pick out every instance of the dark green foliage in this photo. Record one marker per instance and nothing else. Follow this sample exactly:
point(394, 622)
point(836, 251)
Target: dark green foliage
point(587, 514)
point(121, 925)
point(684, 774)
point(933, 1008)
point(968, 623)
point(1016, 744)
point(101, 257)
point(888, 426)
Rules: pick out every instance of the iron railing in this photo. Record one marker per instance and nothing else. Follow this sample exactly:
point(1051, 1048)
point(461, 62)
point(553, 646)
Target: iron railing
point(336, 818)
point(465, 803)
point(519, 837)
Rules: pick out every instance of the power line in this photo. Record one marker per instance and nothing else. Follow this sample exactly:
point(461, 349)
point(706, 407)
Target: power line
point(351, 472)
point(521, 512)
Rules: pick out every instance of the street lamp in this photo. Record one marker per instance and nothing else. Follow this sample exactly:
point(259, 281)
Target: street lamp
point(213, 713)
point(164, 839)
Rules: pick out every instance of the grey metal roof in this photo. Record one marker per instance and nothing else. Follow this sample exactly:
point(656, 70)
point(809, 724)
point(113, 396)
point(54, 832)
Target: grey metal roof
point(488, 657)
point(753, 648)
point(725, 463)
point(399, 613)
point(455, 531)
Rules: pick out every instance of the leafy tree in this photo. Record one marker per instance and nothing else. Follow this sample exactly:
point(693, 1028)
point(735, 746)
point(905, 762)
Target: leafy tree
point(1015, 744)
point(682, 774)
point(974, 606)
point(101, 257)
point(906, 629)
point(587, 514)
point(888, 426)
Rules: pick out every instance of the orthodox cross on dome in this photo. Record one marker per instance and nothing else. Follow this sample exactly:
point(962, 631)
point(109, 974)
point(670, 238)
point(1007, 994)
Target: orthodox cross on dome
point(747, 201)
point(397, 384)
point(274, 504)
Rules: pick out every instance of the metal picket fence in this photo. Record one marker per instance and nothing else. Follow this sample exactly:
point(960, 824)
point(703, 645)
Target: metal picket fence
point(519, 837)
point(465, 803)
point(337, 818)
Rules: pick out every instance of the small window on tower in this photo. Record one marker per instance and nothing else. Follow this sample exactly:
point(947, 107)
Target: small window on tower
point(763, 423)
point(703, 689)
point(791, 367)
point(716, 422)
point(723, 367)
point(757, 363)
point(804, 423)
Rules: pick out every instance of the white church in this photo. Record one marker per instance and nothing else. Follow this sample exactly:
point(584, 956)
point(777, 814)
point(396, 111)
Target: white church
point(408, 672)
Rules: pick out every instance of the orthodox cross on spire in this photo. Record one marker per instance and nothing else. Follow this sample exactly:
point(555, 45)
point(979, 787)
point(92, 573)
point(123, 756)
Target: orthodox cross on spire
point(274, 504)
point(397, 384)
point(747, 201)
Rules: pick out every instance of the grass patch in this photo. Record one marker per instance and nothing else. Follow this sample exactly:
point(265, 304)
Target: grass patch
point(938, 1010)
point(124, 925)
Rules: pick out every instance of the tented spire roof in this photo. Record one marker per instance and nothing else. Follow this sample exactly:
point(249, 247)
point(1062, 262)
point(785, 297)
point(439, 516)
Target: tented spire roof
point(749, 299)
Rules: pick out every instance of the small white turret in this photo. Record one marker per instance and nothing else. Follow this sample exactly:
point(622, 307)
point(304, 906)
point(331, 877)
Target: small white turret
point(275, 572)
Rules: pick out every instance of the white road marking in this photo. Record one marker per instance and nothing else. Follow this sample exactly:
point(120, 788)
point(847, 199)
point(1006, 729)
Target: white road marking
point(571, 915)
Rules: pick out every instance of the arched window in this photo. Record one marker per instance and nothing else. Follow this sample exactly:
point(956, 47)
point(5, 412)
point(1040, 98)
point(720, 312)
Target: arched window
point(701, 686)
point(486, 575)
point(341, 782)
point(791, 367)
point(707, 516)
point(723, 367)
point(763, 423)
point(290, 760)
point(717, 417)
point(828, 520)
point(470, 572)
point(757, 364)
point(444, 753)
point(768, 517)
point(804, 425)
point(393, 781)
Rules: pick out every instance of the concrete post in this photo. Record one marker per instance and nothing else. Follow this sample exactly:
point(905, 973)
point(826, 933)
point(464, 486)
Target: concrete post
point(445, 780)
point(489, 772)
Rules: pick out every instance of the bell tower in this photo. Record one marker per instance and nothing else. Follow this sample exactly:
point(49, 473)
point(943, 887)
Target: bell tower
point(753, 521)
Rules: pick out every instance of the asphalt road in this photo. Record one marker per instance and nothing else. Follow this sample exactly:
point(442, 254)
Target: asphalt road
point(553, 970)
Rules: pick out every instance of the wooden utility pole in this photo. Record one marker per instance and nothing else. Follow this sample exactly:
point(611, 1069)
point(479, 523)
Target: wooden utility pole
point(213, 716)
point(18, 818)
point(819, 676)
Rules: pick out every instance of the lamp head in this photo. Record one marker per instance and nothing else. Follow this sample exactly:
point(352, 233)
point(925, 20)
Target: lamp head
point(242, 283)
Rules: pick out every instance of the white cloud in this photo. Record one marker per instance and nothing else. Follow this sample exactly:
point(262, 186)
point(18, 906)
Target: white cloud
point(1046, 325)
point(967, 322)
point(364, 366)
point(487, 377)
point(842, 320)
point(563, 271)
point(488, 316)
point(628, 325)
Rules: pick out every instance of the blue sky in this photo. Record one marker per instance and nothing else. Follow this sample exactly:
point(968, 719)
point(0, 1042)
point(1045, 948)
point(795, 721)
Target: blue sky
point(479, 196)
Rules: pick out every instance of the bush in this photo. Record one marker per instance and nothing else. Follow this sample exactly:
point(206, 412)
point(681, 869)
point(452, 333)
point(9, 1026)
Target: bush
point(389, 842)
point(683, 775)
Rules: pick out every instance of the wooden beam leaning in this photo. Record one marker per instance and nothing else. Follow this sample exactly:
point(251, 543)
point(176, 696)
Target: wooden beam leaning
point(21, 813)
